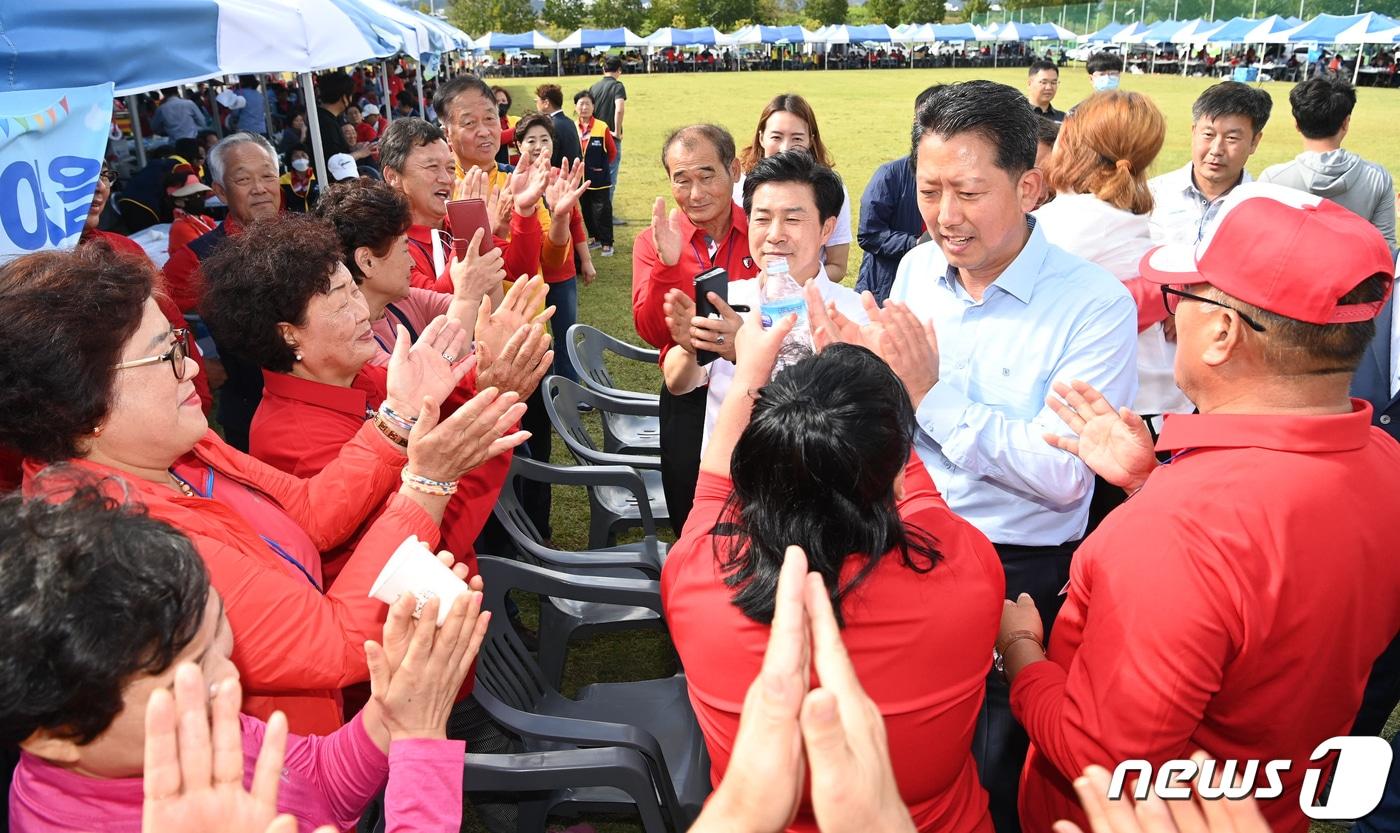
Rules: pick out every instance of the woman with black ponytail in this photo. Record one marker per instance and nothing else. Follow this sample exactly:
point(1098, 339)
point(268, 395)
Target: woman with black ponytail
point(821, 457)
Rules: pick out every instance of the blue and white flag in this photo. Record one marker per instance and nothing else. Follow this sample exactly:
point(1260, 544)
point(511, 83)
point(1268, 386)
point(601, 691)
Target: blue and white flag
point(51, 148)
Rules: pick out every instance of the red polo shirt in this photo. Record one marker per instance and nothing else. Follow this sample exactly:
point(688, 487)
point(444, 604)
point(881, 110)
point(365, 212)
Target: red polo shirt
point(1235, 604)
point(300, 427)
point(651, 279)
point(521, 253)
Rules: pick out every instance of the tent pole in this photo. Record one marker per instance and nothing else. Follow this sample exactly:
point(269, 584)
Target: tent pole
point(418, 76)
point(386, 107)
point(267, 103)
point(1356, 72)
point(135, 114)
point(318, 151)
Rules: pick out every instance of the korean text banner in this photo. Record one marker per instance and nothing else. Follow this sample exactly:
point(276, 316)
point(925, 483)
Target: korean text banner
point(51, 148)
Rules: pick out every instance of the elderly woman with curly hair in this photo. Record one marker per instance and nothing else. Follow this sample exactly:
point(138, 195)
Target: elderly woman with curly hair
point(280, 295)
point(101, 381)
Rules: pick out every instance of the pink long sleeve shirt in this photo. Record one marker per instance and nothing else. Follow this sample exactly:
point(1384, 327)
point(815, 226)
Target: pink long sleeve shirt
point(325, 780)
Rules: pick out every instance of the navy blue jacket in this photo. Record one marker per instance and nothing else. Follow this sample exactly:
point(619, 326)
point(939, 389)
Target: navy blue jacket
point(1372, 379)
point(890, 225)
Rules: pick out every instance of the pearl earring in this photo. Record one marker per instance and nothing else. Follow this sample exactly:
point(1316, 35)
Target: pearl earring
point(298, 356)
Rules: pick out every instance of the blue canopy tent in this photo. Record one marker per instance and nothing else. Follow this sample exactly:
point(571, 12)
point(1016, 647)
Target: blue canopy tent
point(1103, 35)
point(1271, 29)
point(602, 38)
point(1234, 31)
point(1324, 28)
point(955, 32)
point(498, 42)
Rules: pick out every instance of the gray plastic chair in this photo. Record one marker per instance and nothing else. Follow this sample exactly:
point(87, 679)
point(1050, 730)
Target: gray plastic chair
point(651, 718)
point(588, 347)
point(630, 426)
point(561, 400)
point(566, 620)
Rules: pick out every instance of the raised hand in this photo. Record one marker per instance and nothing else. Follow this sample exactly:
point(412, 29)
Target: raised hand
point(528, 184)
point(666, 232)
point(415, 694)
point(429, 367)
point(1115, 444)
point(679, 310)
point(756, 349)
point(193, 777)
point(495, 325)
point(910, 348)
point(475, 275)
point(564, 189)
point(476, 432)
point(474, 184)
point(521, 363)
point(499, 204)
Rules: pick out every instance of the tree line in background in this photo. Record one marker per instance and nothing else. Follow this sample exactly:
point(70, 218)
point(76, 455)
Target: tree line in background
point(560, 17)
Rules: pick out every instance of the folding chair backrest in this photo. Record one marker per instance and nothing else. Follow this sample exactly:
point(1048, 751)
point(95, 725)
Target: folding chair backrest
point(588, 347)
point(561, 399)
point(504, 667)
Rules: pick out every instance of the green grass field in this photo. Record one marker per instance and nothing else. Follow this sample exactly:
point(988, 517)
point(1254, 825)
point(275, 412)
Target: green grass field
point(865, 119)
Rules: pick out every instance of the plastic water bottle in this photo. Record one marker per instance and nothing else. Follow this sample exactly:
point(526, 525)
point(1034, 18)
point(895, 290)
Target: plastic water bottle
point(782, 296)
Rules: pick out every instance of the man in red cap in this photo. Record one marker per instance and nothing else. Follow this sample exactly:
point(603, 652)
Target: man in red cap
point(1236, 602)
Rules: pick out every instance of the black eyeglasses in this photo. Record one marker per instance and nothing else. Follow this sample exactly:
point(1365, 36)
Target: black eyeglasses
point(175, 355)
point(109, 175)
point(1171, 299)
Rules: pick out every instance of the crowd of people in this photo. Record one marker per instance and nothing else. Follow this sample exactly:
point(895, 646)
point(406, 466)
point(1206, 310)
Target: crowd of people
point(1088, 467)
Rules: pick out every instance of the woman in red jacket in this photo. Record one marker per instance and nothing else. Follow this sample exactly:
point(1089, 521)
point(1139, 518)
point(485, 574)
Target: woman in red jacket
point(101, 381)
point(280, 295)
point(821, 457)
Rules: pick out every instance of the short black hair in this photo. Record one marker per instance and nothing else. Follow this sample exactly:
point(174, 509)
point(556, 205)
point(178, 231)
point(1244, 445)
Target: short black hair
point(1041, 65)
point(926, 94)
point(996, 112)
point(717, 136)
point(1047, 131)
point(612, 64)
point(1104, 62)
point(588, 94)
point(798, 166)
point(1320, 105)
point(1232, 98)
point(333, 86)
point(248, 81)
point(448, 93)
point(402, 136)
point(265, 276)
point(92, 594)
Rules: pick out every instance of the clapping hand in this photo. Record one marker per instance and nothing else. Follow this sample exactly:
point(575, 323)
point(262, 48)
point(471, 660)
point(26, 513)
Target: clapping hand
point(414, 691)
point(756, 349)
point(193, 777)
point(475, 433)
point(1115, 444)
point(679, 310)
point(474, 275)
point(893, 333)
point(666, 232)
point(428, 367)
point(474, 184)
point(528, 184)
point(564, 189)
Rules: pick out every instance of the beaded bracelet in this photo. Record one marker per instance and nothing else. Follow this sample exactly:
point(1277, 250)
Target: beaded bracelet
point(403, 423)
point(441, 488)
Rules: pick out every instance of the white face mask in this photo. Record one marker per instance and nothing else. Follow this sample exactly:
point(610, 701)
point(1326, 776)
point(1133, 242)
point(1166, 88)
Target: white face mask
point(300, 165)
point(1103, 83)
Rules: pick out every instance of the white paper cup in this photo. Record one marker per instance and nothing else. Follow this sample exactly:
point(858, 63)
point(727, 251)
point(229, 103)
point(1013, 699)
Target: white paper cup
point(414, 569)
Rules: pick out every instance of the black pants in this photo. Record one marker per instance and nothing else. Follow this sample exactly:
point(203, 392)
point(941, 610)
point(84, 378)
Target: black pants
point(535, 497)
point(1382, 693)
point(682, 430)
point(1000, 744)
point(597, 214)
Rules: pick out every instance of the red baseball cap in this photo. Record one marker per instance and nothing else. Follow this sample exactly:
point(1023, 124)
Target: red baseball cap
point(1282, 250)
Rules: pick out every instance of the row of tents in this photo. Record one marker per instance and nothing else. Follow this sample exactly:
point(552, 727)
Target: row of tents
point(1325, 29)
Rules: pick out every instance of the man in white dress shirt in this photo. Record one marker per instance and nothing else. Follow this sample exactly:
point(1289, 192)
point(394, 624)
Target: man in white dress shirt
point(793, 203)
point(1012, 314)
point(1227, 122)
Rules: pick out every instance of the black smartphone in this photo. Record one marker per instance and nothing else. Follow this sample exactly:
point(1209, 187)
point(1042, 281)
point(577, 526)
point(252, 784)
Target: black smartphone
point(714, 280)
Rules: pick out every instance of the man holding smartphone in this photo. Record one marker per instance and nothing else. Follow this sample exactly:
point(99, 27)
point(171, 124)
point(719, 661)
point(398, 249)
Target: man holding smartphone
point(792, 202)
point(705, 230)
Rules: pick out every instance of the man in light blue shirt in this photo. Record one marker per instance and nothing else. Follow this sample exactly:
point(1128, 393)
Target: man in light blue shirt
point(1012, 315)
point(252, 117)
point(177, 117)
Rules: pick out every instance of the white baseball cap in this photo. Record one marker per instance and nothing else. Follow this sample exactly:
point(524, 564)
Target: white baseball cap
point(342, 167)
point(370, 110)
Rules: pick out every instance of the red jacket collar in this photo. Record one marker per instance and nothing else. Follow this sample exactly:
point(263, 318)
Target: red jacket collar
point(738, 224)
point(1305, 434)
point(365, 392)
